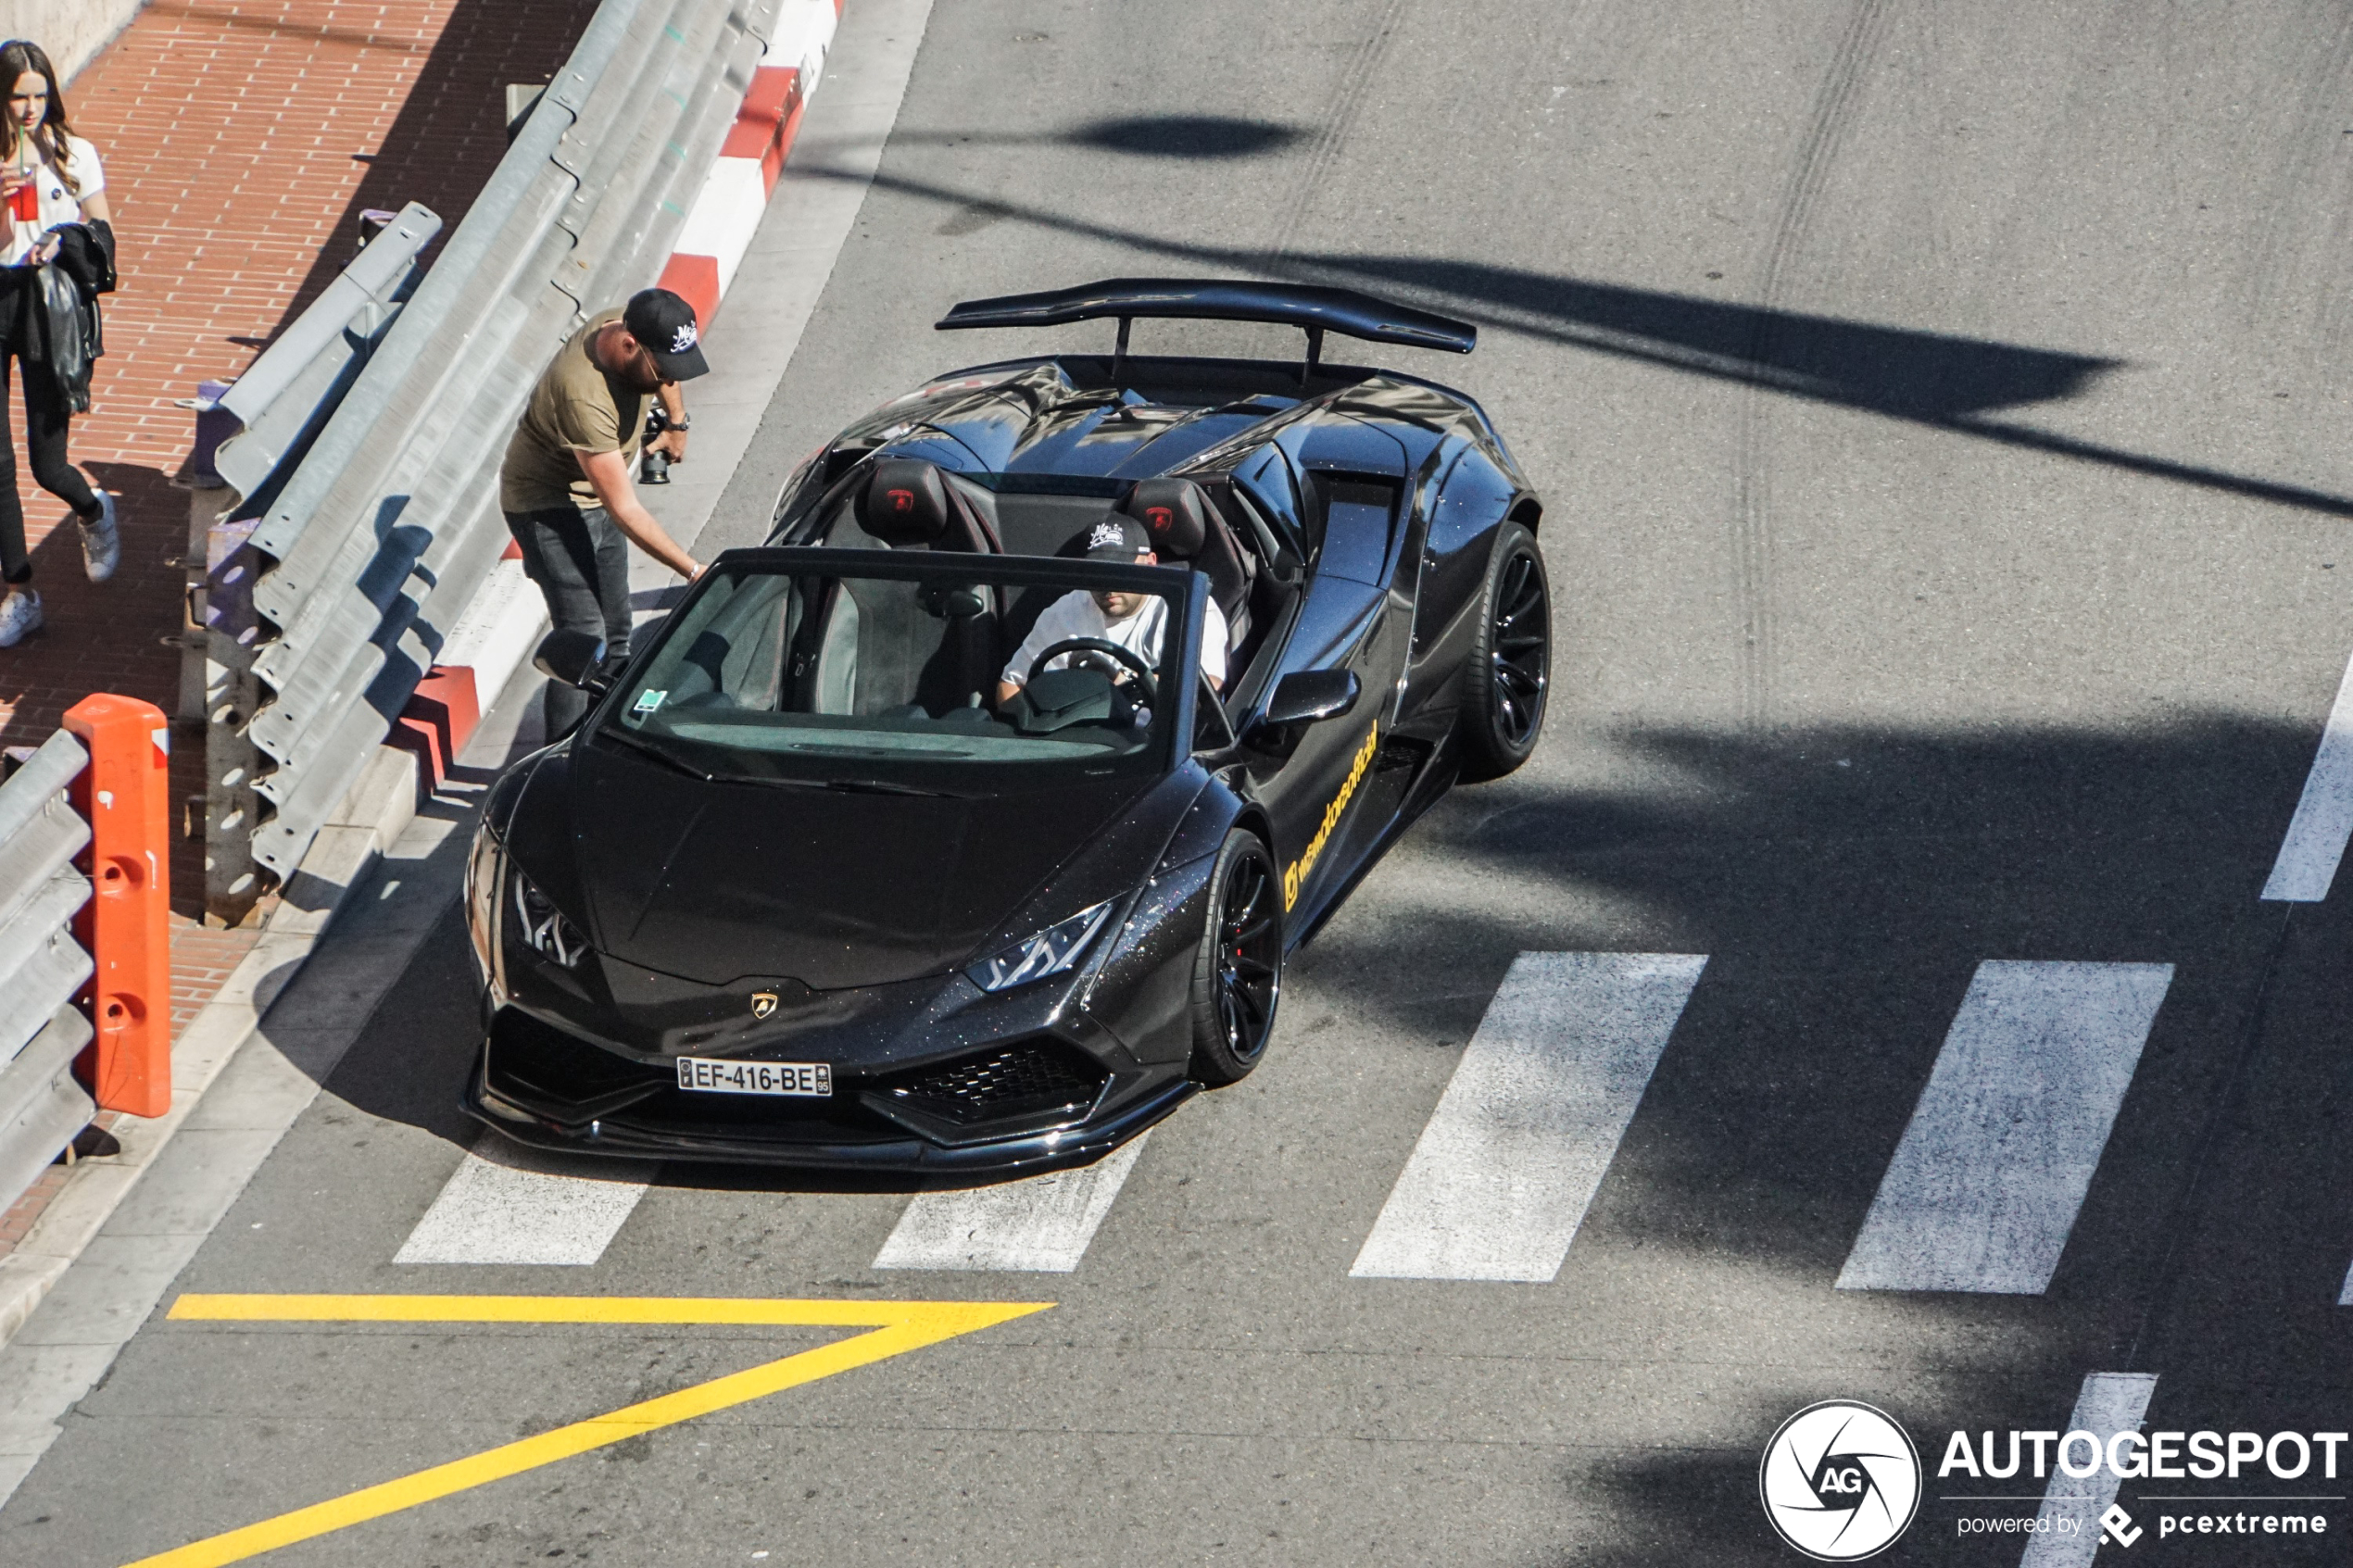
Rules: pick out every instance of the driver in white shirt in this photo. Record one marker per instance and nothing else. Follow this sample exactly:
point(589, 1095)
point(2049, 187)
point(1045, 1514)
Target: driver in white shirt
point(1135, 622)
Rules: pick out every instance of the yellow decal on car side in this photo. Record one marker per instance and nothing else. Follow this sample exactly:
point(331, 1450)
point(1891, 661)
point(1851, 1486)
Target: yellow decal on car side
point(1297, 874)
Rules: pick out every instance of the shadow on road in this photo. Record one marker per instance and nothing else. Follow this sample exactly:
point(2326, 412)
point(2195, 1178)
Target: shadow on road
point(1934, 379)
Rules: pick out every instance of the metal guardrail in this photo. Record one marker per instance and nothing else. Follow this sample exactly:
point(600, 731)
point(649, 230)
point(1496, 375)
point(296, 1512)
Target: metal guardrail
point(281, 403)
point(373, 546)
point(300, 379)
point(41, 966)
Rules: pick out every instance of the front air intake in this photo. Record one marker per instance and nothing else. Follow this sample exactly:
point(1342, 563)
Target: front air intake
point(1020, 1082)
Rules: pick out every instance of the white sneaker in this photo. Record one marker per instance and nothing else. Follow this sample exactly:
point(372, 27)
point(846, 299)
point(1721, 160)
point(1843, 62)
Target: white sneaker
point(20, 615)
point(101, 544)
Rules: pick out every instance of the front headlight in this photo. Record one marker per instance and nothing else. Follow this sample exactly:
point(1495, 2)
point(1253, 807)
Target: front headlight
point(542, 926)
point(1052, 951)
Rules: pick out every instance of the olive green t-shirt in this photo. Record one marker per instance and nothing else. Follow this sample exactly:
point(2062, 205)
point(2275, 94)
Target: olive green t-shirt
point(575, 408)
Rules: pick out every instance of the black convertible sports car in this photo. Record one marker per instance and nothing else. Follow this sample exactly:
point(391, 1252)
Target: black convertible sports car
point(925, 837)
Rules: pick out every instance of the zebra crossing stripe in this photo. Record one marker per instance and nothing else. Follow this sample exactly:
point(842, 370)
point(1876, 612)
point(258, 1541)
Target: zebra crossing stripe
point(2111, 1402)
point(1039, 1223)
point(1507, 1164)
point(1986, 1182)
point(509, 1204)
point(2316, 835)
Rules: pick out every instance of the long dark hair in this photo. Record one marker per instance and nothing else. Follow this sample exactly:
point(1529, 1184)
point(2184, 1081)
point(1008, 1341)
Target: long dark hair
point(17, 56)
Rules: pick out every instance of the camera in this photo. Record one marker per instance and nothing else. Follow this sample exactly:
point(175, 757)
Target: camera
point(653, 468)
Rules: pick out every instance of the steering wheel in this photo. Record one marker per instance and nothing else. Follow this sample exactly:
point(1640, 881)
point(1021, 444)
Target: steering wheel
point(1129, 656)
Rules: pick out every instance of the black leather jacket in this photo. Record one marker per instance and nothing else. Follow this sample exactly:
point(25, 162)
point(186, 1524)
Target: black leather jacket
point(64, 331)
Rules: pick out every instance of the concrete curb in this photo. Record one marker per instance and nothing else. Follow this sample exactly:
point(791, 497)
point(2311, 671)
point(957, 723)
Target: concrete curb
point(727, 210)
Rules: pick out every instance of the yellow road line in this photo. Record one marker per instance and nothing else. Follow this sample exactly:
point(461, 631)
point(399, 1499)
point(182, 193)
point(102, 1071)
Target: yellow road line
point(583, 1309)
point(896, 1327)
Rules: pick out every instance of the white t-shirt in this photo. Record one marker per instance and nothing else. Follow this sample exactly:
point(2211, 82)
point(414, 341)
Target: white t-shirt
point(58, 206)
point(1077, 614)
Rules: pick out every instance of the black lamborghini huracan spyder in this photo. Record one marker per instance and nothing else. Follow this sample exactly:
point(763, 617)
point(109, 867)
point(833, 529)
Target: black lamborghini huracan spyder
point(852, 864)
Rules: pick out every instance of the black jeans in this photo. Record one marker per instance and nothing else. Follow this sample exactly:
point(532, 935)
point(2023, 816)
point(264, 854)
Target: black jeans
point(45, 421)
point(580, 561)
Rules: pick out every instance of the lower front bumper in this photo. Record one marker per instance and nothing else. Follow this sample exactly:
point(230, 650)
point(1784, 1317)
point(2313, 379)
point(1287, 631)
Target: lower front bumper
point(551, 1089)
point(1020, 1156)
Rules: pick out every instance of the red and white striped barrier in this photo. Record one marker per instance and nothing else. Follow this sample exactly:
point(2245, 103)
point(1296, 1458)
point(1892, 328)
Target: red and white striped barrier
point(721, 224)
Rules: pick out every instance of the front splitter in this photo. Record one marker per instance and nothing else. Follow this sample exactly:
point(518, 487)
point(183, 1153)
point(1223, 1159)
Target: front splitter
point(1011, 1156)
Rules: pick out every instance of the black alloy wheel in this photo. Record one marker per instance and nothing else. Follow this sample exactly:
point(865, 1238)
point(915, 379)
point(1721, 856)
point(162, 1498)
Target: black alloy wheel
point(1237, 976)
point(1511, 663)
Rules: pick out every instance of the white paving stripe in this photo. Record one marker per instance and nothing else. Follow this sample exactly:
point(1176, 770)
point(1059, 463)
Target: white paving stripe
point(2324, 819)
point(2111, 1402)
point(1508, 1162)
point(507, 1204)
point(1039, 1223)
point(1985, 1186)
point(2344, 1297)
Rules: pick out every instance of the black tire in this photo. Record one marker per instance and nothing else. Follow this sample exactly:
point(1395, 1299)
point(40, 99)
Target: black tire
point(1238, 975)
point(1510, 670)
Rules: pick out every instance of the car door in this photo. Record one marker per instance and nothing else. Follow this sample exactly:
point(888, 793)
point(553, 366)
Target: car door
point(1318, 795)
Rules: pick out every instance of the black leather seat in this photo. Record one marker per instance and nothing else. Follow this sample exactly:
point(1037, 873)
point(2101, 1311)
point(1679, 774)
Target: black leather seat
point(908, 505)
point(1185, 527)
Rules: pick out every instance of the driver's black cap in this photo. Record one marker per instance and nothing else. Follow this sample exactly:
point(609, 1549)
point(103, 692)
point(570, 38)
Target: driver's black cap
point(665, 324)
point(1118, 537)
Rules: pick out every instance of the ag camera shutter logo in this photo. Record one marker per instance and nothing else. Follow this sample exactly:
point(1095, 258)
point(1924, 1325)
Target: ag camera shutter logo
point(1840, 1481)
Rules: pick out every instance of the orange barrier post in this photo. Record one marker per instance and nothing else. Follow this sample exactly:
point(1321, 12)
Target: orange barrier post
point(125, 796)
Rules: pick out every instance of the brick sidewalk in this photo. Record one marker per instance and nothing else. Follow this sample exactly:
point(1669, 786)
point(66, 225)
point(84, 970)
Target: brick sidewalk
point(242, 139)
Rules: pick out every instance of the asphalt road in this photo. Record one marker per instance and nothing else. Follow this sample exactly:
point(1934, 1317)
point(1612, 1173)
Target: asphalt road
point(1938, 416)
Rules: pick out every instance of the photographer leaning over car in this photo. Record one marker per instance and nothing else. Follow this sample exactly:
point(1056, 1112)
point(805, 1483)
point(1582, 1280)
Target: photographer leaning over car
point(566, 485)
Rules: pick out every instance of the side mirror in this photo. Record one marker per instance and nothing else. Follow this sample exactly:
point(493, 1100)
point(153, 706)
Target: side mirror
point(573, 657)
point(1301, 699)
point(1305, 695)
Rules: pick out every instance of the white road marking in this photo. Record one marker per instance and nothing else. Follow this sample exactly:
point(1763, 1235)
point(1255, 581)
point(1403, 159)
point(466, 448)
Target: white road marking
point(1985, 1186)
point(1509, 1161)
point(2111, 1402)
point(507, 1204)
point(2316, 835)
point(2344, 1297)
point(1039, 1223)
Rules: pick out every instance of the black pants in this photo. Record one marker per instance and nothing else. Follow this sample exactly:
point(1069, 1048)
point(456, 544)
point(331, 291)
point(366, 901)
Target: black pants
point(45, 420)
point(581, 562)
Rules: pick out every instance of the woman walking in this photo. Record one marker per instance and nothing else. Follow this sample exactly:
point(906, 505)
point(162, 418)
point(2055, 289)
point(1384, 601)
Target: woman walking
point(53, 191)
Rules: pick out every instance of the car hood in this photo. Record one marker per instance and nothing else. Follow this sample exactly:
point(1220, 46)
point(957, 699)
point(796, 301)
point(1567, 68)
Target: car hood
point(719, 881)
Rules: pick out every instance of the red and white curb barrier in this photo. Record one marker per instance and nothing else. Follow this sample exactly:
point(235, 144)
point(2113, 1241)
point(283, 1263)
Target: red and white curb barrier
point(721, 224)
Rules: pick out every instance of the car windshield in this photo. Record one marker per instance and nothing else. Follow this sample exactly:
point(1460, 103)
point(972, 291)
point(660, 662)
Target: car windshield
point(919, 671)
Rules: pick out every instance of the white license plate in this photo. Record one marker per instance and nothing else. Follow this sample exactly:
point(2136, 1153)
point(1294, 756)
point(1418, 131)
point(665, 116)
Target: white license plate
point(809, 1080)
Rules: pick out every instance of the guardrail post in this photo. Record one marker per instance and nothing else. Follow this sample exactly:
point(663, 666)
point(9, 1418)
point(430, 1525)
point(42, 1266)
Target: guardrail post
point(231, 762)
point(124, 795)
point(209, 499)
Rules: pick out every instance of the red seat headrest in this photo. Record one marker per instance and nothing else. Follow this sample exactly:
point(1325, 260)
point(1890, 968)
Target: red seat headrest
point(905, 504)
point(1175, 512)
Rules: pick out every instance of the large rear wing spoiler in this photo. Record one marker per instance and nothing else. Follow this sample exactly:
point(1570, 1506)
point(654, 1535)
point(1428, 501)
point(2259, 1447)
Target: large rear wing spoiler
point(1311, 309)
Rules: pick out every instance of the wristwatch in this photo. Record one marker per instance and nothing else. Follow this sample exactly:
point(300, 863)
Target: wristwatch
point(684, 421)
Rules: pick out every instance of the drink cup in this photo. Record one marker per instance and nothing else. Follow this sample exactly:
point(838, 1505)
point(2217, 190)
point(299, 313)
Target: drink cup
point(24, 203)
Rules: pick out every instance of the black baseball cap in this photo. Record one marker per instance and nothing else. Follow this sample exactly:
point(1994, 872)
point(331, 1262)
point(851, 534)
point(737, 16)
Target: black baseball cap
point(1118, 537)
point(665, 325)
